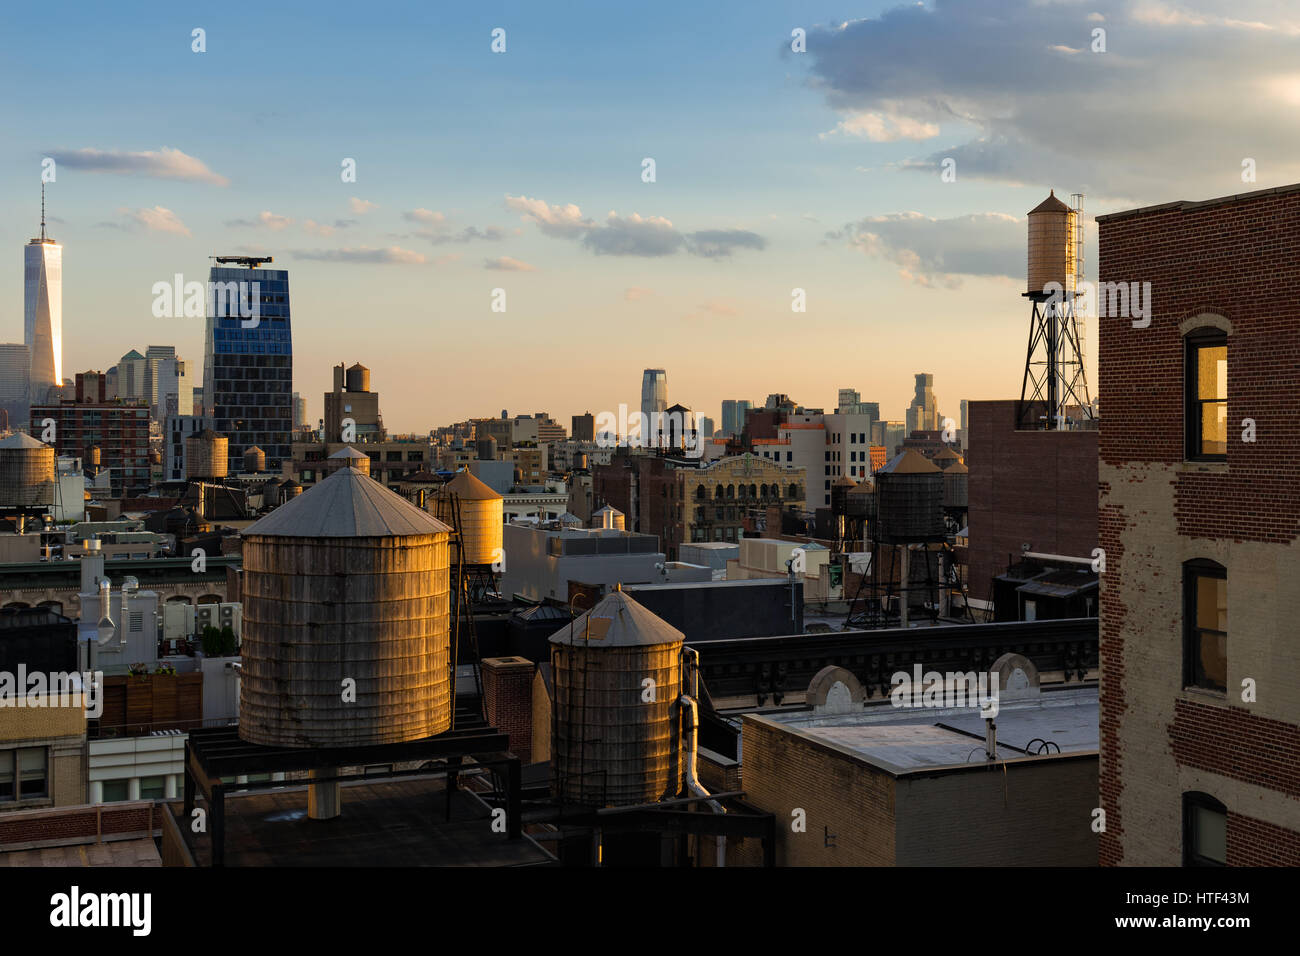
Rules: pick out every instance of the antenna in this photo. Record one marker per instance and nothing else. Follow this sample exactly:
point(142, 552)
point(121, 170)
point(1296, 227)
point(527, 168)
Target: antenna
point(43, 239)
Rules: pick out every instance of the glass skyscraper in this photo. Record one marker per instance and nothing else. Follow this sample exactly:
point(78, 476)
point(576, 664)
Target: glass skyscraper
point(43, 310)
point(247, 364)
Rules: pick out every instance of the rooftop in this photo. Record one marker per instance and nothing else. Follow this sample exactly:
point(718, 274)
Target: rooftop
point(347, 504)
point(902, 739)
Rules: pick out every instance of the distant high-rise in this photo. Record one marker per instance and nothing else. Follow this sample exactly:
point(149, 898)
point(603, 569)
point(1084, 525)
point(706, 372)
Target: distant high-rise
point(15, 383)
point(733, 416)
point(248, 360)
point(154, 355)
point(584, 427)
point(173, 388)
point(352, 409)
point(706, 426)
point(299, 411)
point(130, 378)
point(43, 310)
point(654, 399)
point(923, 413)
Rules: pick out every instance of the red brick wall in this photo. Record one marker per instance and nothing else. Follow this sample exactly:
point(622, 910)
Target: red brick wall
point(1232, 258)
point(508, 701)
point(70, 823)
point(1033, 487)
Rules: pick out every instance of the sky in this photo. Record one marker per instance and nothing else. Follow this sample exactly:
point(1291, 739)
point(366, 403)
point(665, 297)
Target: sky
point(524, 171)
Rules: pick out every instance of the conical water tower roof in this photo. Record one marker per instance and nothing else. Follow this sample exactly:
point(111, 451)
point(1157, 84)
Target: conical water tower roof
point(21, 440)
point(349, 452)
point(468, 488)
point(347, 504)
point(910, 462)
point(1050, 204)
point(618, 621)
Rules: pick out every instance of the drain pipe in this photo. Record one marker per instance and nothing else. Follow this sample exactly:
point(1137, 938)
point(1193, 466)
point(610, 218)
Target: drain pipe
point(690, 709)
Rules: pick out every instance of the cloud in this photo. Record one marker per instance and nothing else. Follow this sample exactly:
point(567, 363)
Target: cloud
point(636, 293)
point(469, 233)
point(426, 216)
point(720, 243)
point(1002, 81)
point(633, 235)
point(157, 219)
point(360, 207)
point(165, 163)
point(562, 222)
point(314, 228)
point(265, 219)
point(392, 255)
point(630, 235)
point(506, 264)
point(720, 308)
point(934, 252)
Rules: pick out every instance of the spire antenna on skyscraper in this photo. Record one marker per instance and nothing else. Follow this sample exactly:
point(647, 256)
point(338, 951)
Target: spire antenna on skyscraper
point(42, 211)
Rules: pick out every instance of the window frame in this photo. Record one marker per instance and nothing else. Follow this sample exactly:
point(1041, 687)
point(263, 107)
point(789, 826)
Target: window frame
point(1192, 571)
point(1194, 800)
point(1193, 404)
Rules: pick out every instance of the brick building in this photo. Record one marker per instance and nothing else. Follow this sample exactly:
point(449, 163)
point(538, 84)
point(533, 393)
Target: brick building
point(1026, 487)
point(1200, 689)
point(689, 500)
point(120, 431)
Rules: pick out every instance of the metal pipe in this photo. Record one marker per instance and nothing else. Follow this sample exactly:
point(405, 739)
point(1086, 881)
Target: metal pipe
point(689, 708)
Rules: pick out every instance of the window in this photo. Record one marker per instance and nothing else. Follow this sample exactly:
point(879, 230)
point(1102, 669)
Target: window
point(152, 788)
point(115, 790)
point(22, 774)
point(1205, 625)
point(1205, 830)
point(1207, 395)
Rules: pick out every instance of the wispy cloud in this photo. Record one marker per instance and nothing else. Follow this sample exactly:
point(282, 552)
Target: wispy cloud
point(392, 255)
point(360, 207)
point(265, 219)
point(507, 264)
point(636, 293)
point(427, 216)
point(632, 234)
point(940, 252)
point(156, 219)
point(166, 163)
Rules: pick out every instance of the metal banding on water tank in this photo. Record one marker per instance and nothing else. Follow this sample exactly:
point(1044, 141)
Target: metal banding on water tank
point(345, 587)
point(610, 745)
point(26, 472)
point(482, 516)
point(207, 455)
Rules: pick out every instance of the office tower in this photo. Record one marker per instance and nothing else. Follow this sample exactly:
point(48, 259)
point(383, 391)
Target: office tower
point(848, 399)
point(130, 378)
point(654, 402)
point(352, 409)
point(584, 427)
point(299, 411)
point(733, 416)
point(199, 408)
point(706, 426)
point(923, 413)
point(963, 425)
point(172, 386)
point(43, 310)
point(15, 383)
point(153, 356)
point(248, 359)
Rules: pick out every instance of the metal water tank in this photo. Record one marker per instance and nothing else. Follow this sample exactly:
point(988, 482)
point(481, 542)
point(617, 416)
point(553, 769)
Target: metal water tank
point(956, 486)
point(860, 500)
point(482, 516)
point(358, 378)
point(207, 455)
point(254, 459)
point(909, 500)
point(486, 448)
point(349, 458)
point(1051, 244)
point(26, 472)
point(614, 737)
point(608, 517)
point(346, 638)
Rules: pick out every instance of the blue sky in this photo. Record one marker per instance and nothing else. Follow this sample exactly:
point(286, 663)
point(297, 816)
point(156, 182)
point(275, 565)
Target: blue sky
point(468, 162)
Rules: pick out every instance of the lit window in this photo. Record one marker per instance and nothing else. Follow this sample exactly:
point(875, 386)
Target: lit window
point(1207, 394)
point(1205, 625)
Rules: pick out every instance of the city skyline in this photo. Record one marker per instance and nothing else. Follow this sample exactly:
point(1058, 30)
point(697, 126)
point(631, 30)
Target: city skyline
point(836, 176)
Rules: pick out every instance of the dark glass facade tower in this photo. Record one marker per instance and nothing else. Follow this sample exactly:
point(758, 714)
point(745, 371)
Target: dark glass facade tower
point(248, 366)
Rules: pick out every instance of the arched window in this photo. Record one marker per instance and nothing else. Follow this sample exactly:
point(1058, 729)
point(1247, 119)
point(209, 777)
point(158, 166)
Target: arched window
point(1206, 402)
point(1205, 830)
point(794, 491)
point(1205, 625)
point(700, 493)
point(741, 492)
point(762, 490)
point(731, 491)
point(55, 606)
point(717, 492)
point(753, 491)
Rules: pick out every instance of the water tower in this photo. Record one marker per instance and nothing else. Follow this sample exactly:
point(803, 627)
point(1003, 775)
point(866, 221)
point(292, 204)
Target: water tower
point(1054, 391)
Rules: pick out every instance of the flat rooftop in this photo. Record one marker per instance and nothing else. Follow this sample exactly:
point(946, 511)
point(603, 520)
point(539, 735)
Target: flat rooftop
point(389, 823)
point(140, 852)
point(902, 739)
